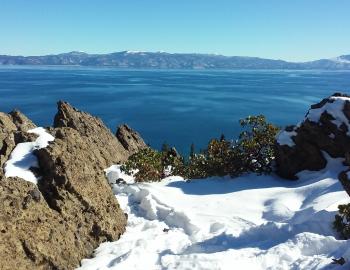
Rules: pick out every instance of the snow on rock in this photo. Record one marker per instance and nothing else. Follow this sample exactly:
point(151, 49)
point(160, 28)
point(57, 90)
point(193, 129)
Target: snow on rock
point(114, 173)
point(285, 137)
point(335, 108)
point(252, 222)
point(22, 157)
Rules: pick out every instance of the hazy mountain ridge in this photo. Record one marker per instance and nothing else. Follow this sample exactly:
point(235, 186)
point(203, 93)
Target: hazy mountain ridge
point(162, 60)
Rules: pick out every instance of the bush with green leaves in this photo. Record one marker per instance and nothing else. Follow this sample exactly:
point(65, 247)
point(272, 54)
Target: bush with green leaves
point(253, 151)
point(147, 163)
point(256, 144)
point(151, 165)
point(342, 221)
point(220, 155)
point(196, 167)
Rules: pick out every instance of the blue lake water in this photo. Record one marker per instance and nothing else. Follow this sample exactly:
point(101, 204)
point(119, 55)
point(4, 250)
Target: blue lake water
point(176, 106)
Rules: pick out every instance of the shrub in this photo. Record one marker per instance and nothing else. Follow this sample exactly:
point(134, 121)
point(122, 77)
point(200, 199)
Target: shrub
point(196, 167)
point(252, 152)
point(152, 165)
point(342, 221)
point(220, 155)
point(147, 163)
point(256, 144)
point(173, 160)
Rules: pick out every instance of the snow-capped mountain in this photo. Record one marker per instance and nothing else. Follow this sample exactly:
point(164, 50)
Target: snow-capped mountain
point(163, 60)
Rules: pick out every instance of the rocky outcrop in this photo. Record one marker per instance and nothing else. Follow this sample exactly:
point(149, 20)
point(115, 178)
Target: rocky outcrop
point(7, 140)
point(325, 129)
point(92, 127)
point(33, 236)
point(75, 186)
point(62, 219)
point(22, 122)
point(130, 139)
point(13, 127)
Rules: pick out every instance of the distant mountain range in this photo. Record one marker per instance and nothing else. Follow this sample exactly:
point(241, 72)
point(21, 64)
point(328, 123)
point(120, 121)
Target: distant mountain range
point(162, 60)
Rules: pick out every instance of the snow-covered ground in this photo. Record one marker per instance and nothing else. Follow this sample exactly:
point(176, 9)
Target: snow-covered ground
point(22, 157)
point(250, 222)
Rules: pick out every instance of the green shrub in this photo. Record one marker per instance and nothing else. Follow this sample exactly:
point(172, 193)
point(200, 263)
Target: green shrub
point(256, 144)
point(151, 165)
point(196, 167)
point(220, 155)
point(252, 152)
point(148, 164)
point(342, 221)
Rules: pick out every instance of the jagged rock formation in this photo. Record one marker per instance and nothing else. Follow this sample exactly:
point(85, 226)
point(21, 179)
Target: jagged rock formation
point(54, 224)
point(326, 128)
point(92, 127)
point(13, 127)
point(74, 185)
point(34, 236)
point(22, 122)
point(130, 139)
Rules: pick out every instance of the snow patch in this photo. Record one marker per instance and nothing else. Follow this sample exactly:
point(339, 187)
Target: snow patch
point(136, 52)
point(114, 174)
point(340, 60)
point(335, 109)
point(252, 222)
point(22, 157)
point(285, 138)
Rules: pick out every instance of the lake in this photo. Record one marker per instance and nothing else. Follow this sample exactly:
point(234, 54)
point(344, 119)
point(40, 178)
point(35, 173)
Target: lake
point(174, 106)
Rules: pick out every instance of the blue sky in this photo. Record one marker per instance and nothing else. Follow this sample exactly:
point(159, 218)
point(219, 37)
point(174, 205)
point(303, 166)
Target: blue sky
point(294, 30)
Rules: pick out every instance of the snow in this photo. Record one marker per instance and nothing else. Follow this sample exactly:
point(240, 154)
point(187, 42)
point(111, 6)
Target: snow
point(22, 157)
point(285, 138)
point(136, 52)
point(340, 60)
point(113, 173)
point(335, 109)
point(250, 222)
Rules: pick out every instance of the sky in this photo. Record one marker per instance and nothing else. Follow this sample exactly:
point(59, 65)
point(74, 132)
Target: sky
point(294, 30)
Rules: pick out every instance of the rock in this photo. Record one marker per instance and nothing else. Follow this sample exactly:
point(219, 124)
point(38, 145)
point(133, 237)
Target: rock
point(32, 235)
point(345, 180)
point(89, 126)
point(74, 185)
point(325, 129)
point(62, 219)
point(130, 139)
point(340, 261)
point(7, 140)
point(13, 127)
point(22, 122)
point(22, 136)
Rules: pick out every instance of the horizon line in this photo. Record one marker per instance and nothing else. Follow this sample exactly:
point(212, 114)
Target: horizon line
point(165, 52)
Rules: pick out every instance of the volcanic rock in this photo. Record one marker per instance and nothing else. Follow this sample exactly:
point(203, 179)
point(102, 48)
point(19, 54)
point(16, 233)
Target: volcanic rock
point(62, 219)
point(325, 129)
point(130, 139)
point(13, 127)
point(22, 122)
point(89, 126)
point(33, 236)
point(74, 185)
